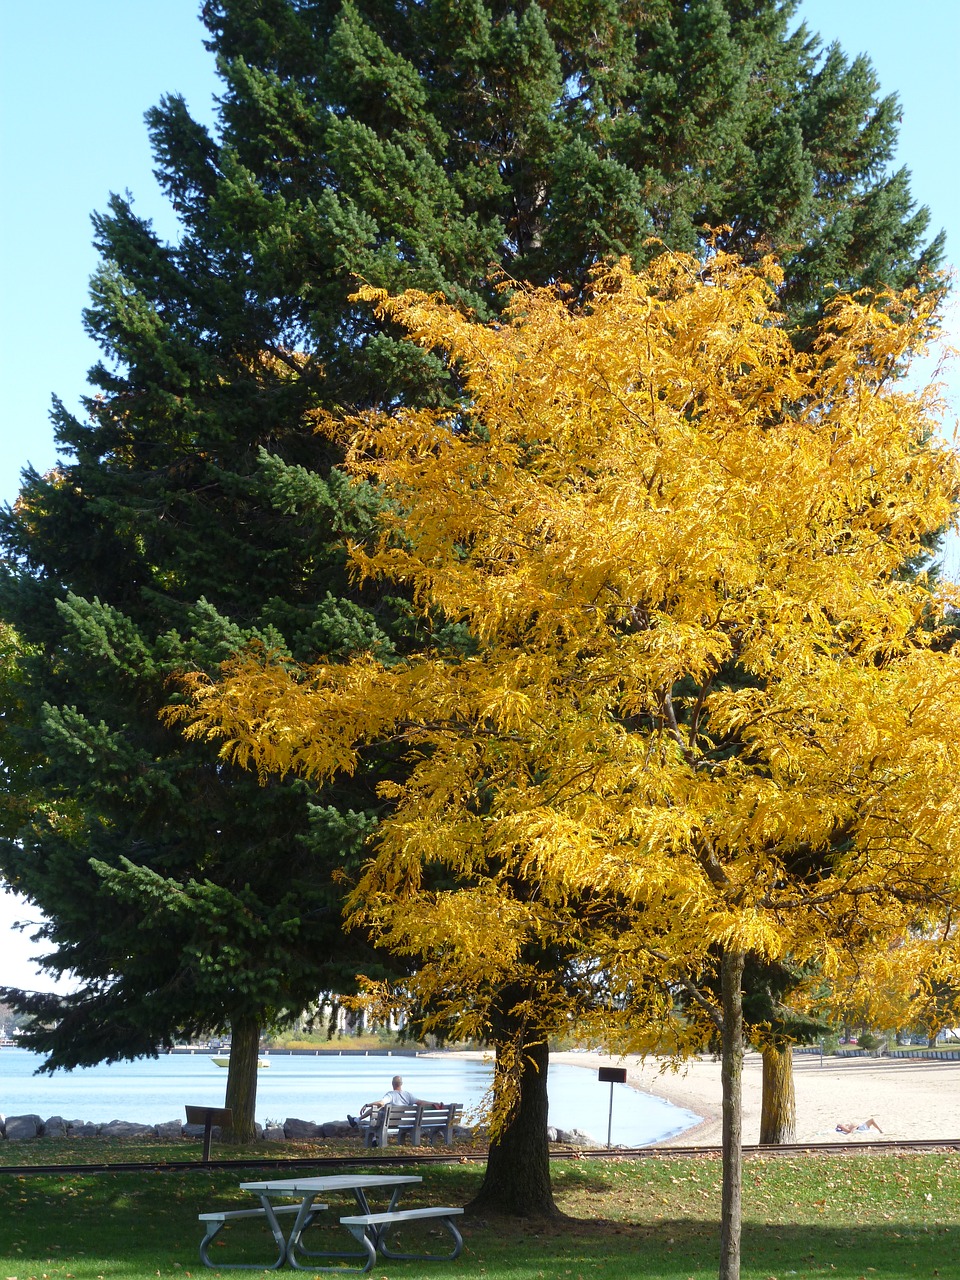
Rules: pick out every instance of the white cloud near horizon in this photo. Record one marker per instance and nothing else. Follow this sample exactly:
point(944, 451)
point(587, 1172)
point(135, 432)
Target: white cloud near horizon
point(17, 966)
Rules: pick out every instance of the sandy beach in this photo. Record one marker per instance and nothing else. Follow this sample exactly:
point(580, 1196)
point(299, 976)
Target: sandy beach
point(913, 1098)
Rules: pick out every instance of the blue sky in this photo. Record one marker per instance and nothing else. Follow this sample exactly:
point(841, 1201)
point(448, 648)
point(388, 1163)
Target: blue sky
point(73, 91)
point(72, 97)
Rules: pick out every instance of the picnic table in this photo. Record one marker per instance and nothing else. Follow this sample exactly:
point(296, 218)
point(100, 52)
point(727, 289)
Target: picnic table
point(370, 1228)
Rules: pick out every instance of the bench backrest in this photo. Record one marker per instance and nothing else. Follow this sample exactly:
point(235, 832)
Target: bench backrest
point(390, 1118)
point(399, 1117)
point(434, 1120)
point(448, 1114)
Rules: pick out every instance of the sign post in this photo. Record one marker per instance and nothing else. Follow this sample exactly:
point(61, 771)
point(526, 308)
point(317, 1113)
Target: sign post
point(208, 1117)
point(616, 1075)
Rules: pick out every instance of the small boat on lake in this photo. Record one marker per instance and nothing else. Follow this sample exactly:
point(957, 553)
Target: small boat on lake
point(225, 1062)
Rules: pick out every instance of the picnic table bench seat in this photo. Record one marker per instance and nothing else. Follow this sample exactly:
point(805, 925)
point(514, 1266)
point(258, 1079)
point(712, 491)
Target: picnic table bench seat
point(215, 1221)
point(372, 1230)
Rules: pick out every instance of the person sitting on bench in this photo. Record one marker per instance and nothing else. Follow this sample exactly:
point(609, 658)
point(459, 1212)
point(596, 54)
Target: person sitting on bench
point(396, 1097)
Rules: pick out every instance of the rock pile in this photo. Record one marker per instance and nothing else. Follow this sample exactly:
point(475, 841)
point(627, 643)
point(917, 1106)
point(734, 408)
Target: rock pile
point(572, 1138)
point(20, 1128)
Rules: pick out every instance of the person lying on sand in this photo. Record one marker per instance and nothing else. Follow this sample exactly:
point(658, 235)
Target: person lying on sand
point(859, 1128)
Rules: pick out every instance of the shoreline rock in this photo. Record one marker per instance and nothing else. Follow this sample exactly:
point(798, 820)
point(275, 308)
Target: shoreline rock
point(25, 1127)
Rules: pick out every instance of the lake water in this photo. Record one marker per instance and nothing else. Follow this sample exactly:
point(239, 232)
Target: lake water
point(317, 1087)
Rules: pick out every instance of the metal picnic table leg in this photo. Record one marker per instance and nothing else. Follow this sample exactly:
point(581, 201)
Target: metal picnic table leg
point(214, 1228)
point(277, 1230)
point(370, 1236)
point(377, 1233)
point(215, 1223)
point(305, 1215)
point(303, 1220)
point(373, 1236)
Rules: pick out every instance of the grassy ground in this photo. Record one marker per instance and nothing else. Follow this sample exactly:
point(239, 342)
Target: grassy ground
point(848, 1216)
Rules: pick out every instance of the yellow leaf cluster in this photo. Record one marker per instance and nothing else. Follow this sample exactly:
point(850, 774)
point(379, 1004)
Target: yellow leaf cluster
point(708, 709)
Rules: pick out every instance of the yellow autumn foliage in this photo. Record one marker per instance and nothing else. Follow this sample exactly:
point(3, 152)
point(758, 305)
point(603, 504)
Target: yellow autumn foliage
point(707, 708)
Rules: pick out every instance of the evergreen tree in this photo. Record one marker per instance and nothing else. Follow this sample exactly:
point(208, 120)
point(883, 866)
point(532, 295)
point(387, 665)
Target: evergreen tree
point(428, 145)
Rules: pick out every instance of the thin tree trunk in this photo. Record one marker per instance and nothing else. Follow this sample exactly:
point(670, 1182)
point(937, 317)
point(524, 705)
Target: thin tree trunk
point(778, 1109)
point(242, 1080)
point(731, 1075)
point(517, 1177)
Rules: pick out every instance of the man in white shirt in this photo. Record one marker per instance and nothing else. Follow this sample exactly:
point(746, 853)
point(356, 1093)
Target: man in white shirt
point(397, 1097)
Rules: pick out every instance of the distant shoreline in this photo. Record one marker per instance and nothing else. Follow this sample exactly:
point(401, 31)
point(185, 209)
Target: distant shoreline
point(273, 1053)
point(306, 1053)
point(910, 1098)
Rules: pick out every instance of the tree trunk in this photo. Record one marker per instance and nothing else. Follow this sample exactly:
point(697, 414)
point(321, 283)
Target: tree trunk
point(517, 1178)
point(731, 1075)
point(778, 1110)
point(242, 1080)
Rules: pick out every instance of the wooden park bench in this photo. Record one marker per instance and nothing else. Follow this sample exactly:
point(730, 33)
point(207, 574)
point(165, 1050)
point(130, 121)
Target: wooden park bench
point(418, 1123)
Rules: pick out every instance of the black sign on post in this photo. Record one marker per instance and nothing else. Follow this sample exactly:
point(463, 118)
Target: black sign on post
point(615, 1075)
point(208, 1117)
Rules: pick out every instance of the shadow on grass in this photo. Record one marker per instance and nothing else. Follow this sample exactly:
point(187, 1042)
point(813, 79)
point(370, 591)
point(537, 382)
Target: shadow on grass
point(688, 1247)
point(134, 1227)
point(115, 1241)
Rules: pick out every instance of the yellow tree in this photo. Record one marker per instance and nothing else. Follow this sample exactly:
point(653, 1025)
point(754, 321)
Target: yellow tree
point(706, 717)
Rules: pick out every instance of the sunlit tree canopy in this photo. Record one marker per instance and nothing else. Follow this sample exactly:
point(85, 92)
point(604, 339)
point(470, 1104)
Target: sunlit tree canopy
point(705, 708)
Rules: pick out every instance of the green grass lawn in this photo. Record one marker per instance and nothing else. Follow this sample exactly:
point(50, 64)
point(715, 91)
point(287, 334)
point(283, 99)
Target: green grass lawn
point(847, 1216)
